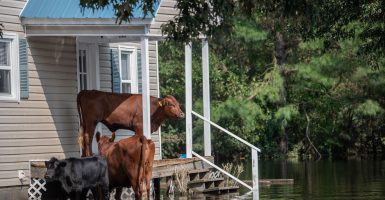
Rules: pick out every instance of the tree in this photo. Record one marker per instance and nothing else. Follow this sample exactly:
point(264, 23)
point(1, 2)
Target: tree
point(332, 20)
point(304, 67)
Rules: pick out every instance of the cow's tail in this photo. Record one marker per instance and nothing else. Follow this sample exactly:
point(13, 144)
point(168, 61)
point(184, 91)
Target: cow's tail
point(81, 130)
point(142, 170)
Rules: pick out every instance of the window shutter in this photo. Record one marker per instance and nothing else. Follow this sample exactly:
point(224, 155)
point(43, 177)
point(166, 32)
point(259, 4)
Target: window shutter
point(139, 63)
point(23, 67)
point(115, 71)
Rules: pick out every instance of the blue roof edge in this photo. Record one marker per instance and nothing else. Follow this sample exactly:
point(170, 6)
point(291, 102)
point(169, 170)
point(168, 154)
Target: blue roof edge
point(58, 9)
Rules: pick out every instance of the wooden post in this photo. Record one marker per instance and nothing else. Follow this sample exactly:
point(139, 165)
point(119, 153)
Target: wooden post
point(145, 88)
point(188, 88)
point(254, 157)
point(206, 96)
point(156, 186)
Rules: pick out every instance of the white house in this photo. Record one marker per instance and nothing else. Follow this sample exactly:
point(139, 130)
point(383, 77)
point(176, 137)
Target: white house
point(50, 51)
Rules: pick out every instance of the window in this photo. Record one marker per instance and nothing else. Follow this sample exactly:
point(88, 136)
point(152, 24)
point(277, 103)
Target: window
point(9, 67)
point(82, 69)
point(128, 74)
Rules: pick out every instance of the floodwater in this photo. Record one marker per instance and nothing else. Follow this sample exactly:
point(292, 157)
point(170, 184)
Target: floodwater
point(364, 179)
point(354, 179)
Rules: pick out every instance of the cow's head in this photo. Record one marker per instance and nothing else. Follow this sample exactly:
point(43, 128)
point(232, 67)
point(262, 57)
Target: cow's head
point(171, 107)
point(104, 141)
point(55, 168)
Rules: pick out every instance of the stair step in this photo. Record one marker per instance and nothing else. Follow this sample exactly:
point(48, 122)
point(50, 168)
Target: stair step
point(205, 180)
point(197, 174)
point(199, 185)
point(196, 171)
point(221, 190)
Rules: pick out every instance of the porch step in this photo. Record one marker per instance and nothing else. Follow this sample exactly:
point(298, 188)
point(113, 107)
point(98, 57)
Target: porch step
point(205, 181)
point(221, 190)
point(198, 174)
point(202, 184)
point(196, 171)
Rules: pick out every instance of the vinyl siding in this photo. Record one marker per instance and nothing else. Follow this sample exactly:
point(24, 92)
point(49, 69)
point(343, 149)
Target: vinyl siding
point(9, 15)
point(36, 128)
point(165, 13)
point(45, 124)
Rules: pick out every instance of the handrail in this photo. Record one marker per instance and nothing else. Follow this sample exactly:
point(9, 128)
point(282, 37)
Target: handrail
point(221, 170)
point(226, 131)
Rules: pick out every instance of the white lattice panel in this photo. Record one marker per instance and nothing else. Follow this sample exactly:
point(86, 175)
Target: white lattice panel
point(36, 187)
point(127, 194)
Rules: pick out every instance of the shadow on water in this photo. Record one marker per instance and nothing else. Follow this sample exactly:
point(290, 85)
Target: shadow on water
point(354, 179)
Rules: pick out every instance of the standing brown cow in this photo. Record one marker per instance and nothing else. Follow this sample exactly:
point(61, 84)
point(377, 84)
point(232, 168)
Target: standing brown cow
point(120, 111)
point(129, 162)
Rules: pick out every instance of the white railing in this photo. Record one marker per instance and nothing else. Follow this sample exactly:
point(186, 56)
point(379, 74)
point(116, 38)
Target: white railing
point(254, 157)
point(221, 170)
point(226, 131)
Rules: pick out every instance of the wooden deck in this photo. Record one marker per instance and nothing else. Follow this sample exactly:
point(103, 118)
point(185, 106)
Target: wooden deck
point(161, 168)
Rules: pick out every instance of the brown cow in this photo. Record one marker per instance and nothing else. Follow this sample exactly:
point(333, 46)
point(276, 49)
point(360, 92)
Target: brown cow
point(129, 162)
point(120, 111)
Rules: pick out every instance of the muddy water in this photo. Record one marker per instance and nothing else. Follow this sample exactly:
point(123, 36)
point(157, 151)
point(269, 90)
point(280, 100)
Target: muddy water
point(322, 180)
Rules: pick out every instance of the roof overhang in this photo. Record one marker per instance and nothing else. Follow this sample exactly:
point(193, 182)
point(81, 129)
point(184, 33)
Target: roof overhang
point(83, 21)
point(65, 18)
point(84, 30)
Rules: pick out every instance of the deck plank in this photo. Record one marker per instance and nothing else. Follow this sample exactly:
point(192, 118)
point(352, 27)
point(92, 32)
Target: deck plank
point(161, 168)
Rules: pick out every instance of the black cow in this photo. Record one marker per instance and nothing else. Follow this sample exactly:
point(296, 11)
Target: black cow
point(78, 175)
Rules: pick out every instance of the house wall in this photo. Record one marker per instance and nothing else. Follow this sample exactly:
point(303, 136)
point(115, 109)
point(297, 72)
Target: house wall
point(46, 124)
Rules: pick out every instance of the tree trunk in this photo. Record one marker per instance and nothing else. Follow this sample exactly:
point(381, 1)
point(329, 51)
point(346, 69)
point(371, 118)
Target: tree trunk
point(311, 145)
point(280, 56)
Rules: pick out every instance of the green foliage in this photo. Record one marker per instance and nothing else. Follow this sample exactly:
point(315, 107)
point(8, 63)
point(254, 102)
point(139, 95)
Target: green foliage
point(270, 89)
point(342, 96)
point(369, 108)
point(124, 10)
point(329, 89)
point(284, 114)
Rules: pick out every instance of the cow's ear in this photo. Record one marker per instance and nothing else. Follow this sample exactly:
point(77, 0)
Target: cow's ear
point(62, 163)
point(97, 136)
point(112, 137)
point(163, 102)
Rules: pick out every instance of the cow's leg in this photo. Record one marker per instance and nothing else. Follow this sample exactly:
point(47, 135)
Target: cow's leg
point(89, 130)
point(103, 191)
point(118, 193)
point(139, 131)
point(148, 187)
point(136, 189)
point(75, 195)
point(98, 193)
point(84, 194)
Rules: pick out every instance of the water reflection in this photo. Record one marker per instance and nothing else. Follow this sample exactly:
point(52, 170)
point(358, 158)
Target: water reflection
point(325, 180)
point(315, 180)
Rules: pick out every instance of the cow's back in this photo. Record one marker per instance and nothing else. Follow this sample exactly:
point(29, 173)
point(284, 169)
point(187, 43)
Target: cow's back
point(83, 173)
point(117, 173)
point(123, 160)
point(109, 108)
point(99, 99)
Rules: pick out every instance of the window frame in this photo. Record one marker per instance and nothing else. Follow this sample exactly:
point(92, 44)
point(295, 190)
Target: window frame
point(133, 69)
point(13, 67)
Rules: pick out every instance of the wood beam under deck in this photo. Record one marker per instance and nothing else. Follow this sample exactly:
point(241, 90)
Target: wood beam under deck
point(161, 168)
